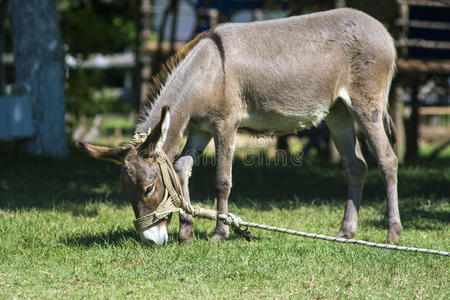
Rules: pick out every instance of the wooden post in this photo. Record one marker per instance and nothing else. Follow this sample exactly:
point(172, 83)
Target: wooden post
point(340, 3)
point(142, 73)
point(173, 29)
point(158, 55)
point(135, 5)
point(404, 20)
point(413, 124)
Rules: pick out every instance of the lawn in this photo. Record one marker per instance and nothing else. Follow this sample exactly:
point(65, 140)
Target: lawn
point(66, 231)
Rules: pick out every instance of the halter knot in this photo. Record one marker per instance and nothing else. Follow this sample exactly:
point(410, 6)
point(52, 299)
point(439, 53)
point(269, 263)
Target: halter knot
point(140, 137)
point(173, 197)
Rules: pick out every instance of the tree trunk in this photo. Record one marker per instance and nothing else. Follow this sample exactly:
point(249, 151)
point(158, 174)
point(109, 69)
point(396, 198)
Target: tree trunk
point(3, 7)
point(143, 68)
point(39, 64)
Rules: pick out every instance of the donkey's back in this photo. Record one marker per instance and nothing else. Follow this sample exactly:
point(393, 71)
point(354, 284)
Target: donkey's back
point(288, 72)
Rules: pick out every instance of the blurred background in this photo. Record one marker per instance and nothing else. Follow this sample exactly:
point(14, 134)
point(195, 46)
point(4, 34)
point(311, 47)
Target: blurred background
point(78, 69)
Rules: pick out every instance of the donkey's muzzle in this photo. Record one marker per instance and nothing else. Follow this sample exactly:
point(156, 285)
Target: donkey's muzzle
point(156, 234)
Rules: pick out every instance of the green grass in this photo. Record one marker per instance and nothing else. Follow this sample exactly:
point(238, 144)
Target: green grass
point(66, 231)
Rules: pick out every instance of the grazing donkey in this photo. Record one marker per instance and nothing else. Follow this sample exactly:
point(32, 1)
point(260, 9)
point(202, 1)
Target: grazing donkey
point(269, 77)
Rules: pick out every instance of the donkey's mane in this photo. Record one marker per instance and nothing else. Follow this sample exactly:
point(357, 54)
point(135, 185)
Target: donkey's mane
point(167, 67)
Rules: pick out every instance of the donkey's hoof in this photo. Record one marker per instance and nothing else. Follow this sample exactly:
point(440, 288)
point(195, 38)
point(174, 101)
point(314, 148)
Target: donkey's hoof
point(394, 234)
point(345, 234)
point(392, 238)
point(186, 238)
point(220, 235)
point(217, 238)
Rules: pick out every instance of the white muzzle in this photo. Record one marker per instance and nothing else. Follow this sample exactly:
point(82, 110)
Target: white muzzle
point(155, 234)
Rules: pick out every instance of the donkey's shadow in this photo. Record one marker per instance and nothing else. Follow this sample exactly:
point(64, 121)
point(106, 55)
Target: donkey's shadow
point(117, 237)
point(104, 239)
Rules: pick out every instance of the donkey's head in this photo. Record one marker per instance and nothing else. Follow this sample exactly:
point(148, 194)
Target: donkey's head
point(141, 177)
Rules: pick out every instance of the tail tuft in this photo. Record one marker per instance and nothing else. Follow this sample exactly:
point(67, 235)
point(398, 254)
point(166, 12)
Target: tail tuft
point(389, 128)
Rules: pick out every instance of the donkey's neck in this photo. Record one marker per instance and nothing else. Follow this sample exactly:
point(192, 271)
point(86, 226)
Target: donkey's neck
point(195, 79)
point(179, 118)
point(179, 93)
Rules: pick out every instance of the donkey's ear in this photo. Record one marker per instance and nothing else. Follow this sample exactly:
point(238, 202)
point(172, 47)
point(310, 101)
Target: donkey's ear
point(104, 153)
point(157, 137)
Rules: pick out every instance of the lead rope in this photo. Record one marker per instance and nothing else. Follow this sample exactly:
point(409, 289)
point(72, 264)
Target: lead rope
point(236, 222)
point(240, 227)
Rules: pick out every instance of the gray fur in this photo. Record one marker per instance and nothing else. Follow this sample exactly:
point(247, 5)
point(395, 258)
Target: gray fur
point(280, 76)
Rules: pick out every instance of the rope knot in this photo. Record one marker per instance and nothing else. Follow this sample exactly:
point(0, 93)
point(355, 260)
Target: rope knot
point(140, 137)
point(232, 220)
point(235, 222)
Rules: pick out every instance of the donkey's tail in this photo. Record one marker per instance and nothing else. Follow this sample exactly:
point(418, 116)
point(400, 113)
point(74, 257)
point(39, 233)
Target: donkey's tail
point(389, 126)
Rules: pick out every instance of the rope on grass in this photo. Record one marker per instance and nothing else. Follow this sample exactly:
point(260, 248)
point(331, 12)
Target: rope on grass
point(174, 201)
point(236, 223)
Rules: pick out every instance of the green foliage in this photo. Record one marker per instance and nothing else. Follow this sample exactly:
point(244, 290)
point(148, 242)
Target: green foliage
point(76, 236)
point(89, 27)
point(86, 95)
point(117, 122)
point(93, 26)
point(78, 94)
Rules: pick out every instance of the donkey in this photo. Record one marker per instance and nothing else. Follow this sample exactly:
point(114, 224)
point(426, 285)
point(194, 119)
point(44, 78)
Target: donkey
point(268, 77)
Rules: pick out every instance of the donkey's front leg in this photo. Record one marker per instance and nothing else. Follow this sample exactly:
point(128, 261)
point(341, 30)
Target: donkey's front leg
point(196, 143)
point(224, 137)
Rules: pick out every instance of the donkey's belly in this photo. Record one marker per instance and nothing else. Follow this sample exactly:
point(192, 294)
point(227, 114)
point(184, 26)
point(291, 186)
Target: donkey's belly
point(276, 123)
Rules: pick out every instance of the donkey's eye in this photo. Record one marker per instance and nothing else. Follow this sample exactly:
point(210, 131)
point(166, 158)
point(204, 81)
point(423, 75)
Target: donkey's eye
point(149, 190)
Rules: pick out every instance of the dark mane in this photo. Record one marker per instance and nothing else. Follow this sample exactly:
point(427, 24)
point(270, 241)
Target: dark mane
point(160, 79)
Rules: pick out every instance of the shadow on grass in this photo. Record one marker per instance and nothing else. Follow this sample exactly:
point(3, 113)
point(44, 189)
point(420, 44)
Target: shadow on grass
point(268, 186)
point(203, 235)
point(103, 239)
point(416, 218)
point(200, 234)
point(68, 185)
point(71, 185)
point(411, 215)
point(119, 236)
point(77, 184)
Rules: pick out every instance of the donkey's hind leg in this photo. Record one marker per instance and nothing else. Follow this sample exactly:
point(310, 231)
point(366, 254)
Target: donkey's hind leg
point(341, 125)
point(196, 143)
point(370, 118)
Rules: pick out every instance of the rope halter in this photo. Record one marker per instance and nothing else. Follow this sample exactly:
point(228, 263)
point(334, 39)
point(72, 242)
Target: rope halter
point(140, 137)
point(173, 196)
point(173, 200)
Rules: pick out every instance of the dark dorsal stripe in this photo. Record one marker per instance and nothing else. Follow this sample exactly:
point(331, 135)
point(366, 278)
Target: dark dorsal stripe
point(215, 37)
point(159, 80)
